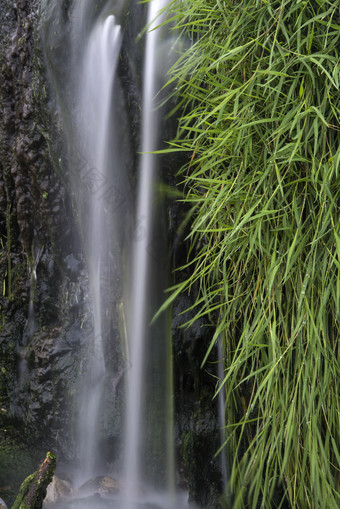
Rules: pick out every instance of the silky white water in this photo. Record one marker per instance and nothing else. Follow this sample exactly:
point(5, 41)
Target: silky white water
point(94, 96)
point(143, 462)
point(143, 264)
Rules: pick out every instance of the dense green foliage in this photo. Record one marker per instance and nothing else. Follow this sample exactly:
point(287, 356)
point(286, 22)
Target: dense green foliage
point(258, 91)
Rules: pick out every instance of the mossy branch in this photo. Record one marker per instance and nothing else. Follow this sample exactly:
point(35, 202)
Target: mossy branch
point(33, 489)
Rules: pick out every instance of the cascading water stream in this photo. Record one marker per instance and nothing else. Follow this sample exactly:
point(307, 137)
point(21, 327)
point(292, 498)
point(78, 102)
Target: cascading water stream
point(28, 333)
point(138, 328)
point(94, 119)
point(30, 325)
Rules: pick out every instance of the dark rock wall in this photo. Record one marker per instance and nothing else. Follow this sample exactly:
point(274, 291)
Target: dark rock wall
point(35, 228)
point(197, 432)
point(28, 185)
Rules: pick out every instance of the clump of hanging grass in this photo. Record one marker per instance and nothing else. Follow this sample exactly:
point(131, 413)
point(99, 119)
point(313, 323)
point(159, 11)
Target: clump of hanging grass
point(259, 93)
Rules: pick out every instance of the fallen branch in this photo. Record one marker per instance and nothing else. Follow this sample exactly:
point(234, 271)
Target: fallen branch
point(33, 490)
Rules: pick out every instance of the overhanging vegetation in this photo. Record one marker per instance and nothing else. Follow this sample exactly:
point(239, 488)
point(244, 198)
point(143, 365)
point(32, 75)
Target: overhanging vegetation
point(258, 91)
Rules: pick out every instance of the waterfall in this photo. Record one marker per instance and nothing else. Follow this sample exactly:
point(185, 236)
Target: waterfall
point(139, 332)
point(30, 324)
point(95, 131)
point(144, 466)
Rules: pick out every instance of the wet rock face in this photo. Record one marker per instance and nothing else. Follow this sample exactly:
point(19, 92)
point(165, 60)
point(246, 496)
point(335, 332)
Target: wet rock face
point(197, 428)
point(29, 186)
point(39, 294)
